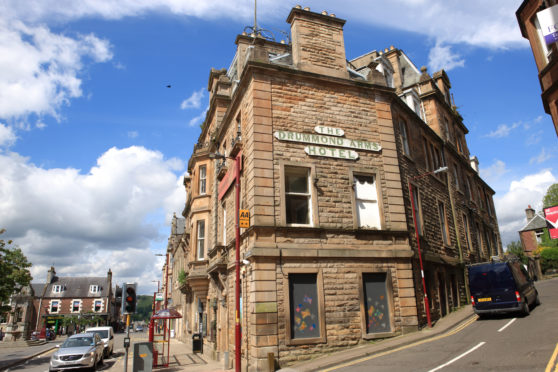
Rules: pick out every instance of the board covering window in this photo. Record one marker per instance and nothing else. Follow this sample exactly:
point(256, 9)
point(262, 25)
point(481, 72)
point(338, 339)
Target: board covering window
point(303, 296)
point(366, 197)
point(376, 306)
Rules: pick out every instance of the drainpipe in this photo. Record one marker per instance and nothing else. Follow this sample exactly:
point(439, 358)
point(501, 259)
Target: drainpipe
point(465, 280)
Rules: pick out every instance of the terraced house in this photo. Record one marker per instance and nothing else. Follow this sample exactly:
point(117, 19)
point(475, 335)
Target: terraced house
point(337, 161)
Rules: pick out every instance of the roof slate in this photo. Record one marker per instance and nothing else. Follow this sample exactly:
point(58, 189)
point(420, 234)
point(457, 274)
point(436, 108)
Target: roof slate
point(74, 287)
point(536, 223)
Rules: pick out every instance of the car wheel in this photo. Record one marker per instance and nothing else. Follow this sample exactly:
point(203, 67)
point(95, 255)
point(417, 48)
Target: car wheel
point(526, 310)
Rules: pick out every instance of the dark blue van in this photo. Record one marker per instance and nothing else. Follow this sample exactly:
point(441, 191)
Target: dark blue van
point(501, 287)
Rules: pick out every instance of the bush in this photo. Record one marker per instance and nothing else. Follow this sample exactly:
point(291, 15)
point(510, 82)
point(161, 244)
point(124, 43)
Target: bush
point(549, 258)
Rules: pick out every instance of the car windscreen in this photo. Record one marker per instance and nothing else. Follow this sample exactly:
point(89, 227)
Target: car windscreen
point(490, 277)
point(103, 334)
point(78, 342)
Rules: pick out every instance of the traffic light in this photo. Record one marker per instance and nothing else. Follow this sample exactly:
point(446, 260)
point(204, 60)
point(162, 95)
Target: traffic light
point(129, 298)
point(118, 296)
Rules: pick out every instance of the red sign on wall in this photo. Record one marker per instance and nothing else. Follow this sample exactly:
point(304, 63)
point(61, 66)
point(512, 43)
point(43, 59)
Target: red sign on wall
point(229, 178)
point(551, 215)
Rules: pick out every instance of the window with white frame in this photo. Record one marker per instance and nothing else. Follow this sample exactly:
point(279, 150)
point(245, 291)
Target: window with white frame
point(98, 306)
point(54, 306)
point(417, 209)
point(539, 234)
point(94, 288)
point(76, 306)
point(202, 179)
point(56, 288)
point(298, 197)
point(224, 223)
point(467, 231)
point(201, 240)
point(443, 223)
point(404, 138)
point(366, 200)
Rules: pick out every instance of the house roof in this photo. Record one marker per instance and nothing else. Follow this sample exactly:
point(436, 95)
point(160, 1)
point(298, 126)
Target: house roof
point(74, 287)
point(536, 223)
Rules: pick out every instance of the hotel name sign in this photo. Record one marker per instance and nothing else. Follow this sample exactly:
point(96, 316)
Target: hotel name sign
point(338, 146)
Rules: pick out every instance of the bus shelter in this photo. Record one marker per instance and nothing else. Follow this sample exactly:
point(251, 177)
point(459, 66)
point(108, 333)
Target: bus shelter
point(159, 335)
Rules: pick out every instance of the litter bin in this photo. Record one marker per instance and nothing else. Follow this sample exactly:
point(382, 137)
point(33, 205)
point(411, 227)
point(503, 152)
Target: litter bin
point(197, 343)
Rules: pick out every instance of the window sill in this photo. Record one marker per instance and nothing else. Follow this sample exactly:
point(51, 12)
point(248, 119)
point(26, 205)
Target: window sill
point(373, 336)
point(306, 341)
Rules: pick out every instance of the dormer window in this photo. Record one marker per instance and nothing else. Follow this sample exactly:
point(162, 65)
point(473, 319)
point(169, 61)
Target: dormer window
point(94, 289)
point(57, 289)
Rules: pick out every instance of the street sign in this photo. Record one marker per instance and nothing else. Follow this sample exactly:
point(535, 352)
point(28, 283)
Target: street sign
point(244, 218)
point(551, 215)
point(159, 297)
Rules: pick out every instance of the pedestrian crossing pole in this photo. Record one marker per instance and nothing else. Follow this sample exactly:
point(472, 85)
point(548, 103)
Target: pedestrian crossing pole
point(126, 344)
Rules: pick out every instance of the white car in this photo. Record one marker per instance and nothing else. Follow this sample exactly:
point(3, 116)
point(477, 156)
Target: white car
point(84, 350)
point(107, 335)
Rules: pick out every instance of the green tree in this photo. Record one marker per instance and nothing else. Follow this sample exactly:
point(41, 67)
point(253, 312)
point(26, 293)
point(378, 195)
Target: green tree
point(551, 197)
point(144, 306)
point(14, 269)
point(516, 249)
point(549, 258)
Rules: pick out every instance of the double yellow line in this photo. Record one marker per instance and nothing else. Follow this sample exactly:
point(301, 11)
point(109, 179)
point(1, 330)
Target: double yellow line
point(552, 362)
point(457, 329)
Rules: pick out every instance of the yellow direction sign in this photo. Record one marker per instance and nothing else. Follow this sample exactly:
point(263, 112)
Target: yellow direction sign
point(244, 218)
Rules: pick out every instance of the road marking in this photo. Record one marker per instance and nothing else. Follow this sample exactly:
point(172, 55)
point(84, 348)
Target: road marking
point(458, 357)
point(452, 332)
point(510, 322)
point(552, 360)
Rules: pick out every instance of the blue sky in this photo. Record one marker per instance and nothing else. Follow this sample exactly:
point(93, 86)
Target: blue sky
point(93, 145)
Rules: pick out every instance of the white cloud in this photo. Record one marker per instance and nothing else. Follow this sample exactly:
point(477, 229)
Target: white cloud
point(198, 119)
point(494, 171)
point(503, 130)
point(541, 158)
point(194, 101)
point(7, 136)
point(441, 57)
point(64, 216)
point(40, 69)
point(510, 207)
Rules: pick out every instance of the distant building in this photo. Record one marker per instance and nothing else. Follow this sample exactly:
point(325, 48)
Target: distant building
point(533, 231)
point(48, 304)
point(328, 148)
point(546, 56)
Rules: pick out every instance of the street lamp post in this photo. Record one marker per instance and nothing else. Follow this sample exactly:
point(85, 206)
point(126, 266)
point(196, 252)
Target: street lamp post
point(236, 260)
point(166, 277)
point(426, 304)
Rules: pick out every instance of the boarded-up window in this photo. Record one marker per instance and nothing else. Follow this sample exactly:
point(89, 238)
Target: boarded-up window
point(305, 317)
point(376, 306)
point(366, 197)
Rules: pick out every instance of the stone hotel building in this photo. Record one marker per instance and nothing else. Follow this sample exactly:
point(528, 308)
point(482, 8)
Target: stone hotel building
point(329, 148)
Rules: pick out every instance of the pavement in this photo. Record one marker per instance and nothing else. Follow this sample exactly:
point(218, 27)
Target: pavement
point(12, 356)
point(182, 358)
point(453, 321)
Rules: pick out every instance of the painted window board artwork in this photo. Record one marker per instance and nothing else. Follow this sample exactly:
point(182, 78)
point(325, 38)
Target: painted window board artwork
point(376, 303)
point(305, 322)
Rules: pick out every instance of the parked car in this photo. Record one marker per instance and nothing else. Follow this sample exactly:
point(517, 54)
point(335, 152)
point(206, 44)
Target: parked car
point(139, 329)
point(501, 287)
point(107, 335)
point(83, 350)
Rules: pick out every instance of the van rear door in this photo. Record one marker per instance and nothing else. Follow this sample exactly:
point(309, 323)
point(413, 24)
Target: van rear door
point(492, 286)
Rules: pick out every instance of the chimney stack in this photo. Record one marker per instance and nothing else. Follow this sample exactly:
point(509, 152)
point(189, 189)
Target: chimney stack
point(317, 42)
point(50, 275)
point(530, 213)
